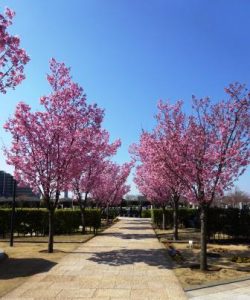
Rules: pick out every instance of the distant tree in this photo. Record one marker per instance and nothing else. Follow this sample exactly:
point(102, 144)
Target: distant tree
point(235, 198)
point(12, 57)
point(112, 185)
point(88, 166)
point(150, 184)
point(153, 177)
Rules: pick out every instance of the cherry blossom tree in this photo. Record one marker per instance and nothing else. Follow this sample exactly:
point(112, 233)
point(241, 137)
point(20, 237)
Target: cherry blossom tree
point(203, 154)
point(12, 57)
point(153, 153)
point(112, 186)
point(213, 150)
point(151, 186)
point(217, 146)
point(88, 166)
point(169, 135)
point(45, 143)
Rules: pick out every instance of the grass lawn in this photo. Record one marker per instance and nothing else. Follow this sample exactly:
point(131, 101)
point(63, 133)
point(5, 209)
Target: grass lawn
point(220, 255)
point(29, 257)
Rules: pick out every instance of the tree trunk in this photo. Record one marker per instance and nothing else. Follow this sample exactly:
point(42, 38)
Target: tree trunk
point(175, 217)
point(164, 225)
point(107, 220)
point(140, 210)
point(120, 213)
point(203, 254)
point(82, 212)
point(51, 230)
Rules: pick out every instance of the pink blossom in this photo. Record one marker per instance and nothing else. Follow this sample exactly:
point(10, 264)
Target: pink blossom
point(12, 57)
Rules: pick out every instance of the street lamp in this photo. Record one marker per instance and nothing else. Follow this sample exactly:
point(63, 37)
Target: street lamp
point(13, 212)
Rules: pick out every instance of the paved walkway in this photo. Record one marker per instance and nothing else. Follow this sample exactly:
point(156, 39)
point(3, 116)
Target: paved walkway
point(232, 291)
point(124, 262)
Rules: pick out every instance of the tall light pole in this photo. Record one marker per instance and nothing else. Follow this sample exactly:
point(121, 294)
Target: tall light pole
point(13, 212)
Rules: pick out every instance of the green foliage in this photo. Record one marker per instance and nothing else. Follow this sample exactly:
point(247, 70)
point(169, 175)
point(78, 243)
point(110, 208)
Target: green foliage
point(157, 216)
point(187, 217)
point(66, 221)
point(113, 212)
point(232, 222)
point(93, 218)
point(5, 214)
point(146, 213)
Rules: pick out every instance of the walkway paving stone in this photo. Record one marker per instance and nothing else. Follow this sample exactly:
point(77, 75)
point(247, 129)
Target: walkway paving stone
point(124, 262)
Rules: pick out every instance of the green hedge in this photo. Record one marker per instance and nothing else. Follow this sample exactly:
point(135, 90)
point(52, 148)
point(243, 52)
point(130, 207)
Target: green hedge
point(146, 213)
point(187, 217)
point(232, 222)
point(67, 221)
point(113, 212)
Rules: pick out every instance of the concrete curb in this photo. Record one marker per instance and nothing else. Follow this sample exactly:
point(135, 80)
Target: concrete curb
point(213, 284)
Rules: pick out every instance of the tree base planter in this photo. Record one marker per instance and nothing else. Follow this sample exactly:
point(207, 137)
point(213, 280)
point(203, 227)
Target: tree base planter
point(54, 251)
point(213, 255)
point(210, 268)
point(240, 259)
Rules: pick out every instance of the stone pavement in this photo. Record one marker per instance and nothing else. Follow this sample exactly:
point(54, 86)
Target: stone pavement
point(233, 291)
point(124, 262)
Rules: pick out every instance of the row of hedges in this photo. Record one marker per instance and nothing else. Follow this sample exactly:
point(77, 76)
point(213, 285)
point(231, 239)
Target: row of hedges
point(67, 221)
point(146, 213)
point(188, 217)
point(113, 212)
point(232, 222)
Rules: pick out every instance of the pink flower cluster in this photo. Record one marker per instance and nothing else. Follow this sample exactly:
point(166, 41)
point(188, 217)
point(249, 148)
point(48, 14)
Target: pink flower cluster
point(63, 146)
point(112, 184)
point(199, 156)
point(12, 57)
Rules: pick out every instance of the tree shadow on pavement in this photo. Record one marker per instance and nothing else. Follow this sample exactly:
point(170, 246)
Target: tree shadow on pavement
point(22, 267)
point(121, 257)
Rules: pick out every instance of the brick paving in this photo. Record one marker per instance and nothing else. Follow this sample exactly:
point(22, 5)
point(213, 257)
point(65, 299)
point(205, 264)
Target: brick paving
point(232, 291)
point(124, 262)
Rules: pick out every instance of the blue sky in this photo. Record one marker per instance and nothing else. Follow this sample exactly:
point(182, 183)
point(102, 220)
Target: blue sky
point(128, 54)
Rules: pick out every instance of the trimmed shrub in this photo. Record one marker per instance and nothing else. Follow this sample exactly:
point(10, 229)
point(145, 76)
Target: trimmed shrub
point(188, 217)
point(232, 222)
point(113, 212)
point(31, 221)
point(146, 213)
point(5, 215)
point(156, 216)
